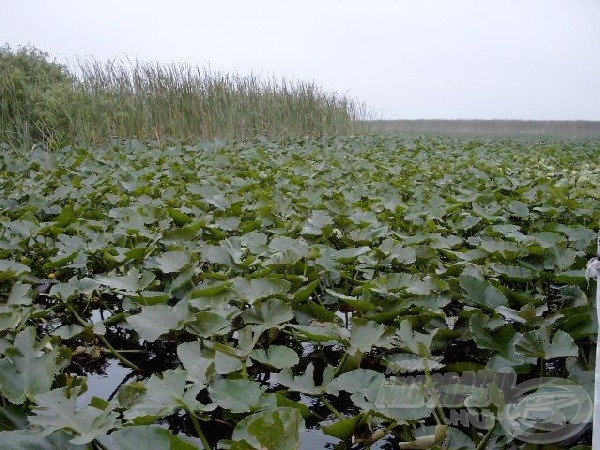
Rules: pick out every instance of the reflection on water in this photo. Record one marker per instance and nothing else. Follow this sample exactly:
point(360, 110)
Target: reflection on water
point(104, 383)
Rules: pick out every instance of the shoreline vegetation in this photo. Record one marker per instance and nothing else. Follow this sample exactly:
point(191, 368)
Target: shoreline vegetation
point(44, 101)
point(557, 128)
point(94, 102)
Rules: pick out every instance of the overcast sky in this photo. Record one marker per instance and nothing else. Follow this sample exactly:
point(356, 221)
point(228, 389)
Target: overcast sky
point(406, 59)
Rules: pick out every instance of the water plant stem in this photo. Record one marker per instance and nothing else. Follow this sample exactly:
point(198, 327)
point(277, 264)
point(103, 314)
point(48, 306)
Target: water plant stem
point(198, 429)
point(482, 444)
point(331, 408)
point(107, 344)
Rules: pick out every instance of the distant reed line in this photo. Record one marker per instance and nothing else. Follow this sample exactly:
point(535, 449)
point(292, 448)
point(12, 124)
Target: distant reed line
point(97, 101)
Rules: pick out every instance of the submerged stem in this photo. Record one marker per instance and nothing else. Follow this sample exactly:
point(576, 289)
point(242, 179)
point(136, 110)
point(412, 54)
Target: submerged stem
point(331, 408)
point(196, 424)
point(114, 351)
point(486, 438)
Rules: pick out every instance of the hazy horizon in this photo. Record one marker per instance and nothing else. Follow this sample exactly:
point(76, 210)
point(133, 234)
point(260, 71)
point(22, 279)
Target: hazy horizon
point(465, 60)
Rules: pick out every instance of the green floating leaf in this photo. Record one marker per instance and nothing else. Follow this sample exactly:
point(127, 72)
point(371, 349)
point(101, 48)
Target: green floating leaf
point(354, 303)
point(209, 324)
point(67, 331)
point(305, 383)
point(412, 341)
point(347, 255)
point(240, 396)
point(326, 333)
point(10, 270)
point(364, 334)
point(145, 437)
point(25, 440)
point(480, 293)
point(278, 428)
point(499, 340)
point(156, 320)
point(408, 363)
point(132, 282)
point(199, 368)
point(276, 356)
point(56, 410)
point(372, 391)
point(268, 314)
point(20, 295)
point(538, 344)
point(170, 262)
point(304, 293)
point(343, 429)
point(26, 369)
point(163, 395)
point(260, 288)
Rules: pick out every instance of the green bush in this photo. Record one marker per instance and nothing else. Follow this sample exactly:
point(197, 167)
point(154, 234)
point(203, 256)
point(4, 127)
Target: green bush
point(35, 95)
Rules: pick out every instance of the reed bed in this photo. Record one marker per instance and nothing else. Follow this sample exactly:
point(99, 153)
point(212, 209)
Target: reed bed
point(97, 101)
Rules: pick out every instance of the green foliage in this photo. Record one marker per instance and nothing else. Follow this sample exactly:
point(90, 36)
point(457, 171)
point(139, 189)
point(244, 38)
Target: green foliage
point(36, 96)
point(43, 102)
point(244, 287)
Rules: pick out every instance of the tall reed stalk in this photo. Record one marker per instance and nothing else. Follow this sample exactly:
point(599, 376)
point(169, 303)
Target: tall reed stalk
point(103, 100)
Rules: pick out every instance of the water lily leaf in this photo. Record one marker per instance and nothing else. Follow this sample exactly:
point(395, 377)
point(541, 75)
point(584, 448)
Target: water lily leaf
point(278, 428)
point(169, 262)
point(364, 334)
point(56, 410)
point(498, 340)
point(283, 243)
point(208, 324)
point(132, 282)
point(325, 333)
point(164, 395)
point(225, 363)
point(241, 396)
point(344, 428)
point(145, 436)
point(159, 319)
point(538, 344)
point(73, 287)
point(210, 288)
point(480, 293)
point(372, 391)
point(11, 318)
point(347, 255)
point(412, 341)
point(20, 295)
point(357, 304)
point(276, 356)
point(269, 313)
point(408, 363)
point(10, 270)
point(67, 331)
point(25, 440)
point(257, 289)
point(305, 383)
point(455, 439)
point(286, 257)
point(517, 273)
point(282, 400)
point(304, 293)
point(363, 382)
point(200, 369)
point(316, 310)
point(26, 369)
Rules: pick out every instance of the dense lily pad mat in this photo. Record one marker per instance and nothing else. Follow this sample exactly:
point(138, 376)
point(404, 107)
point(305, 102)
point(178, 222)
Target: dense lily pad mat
point(350, 287)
